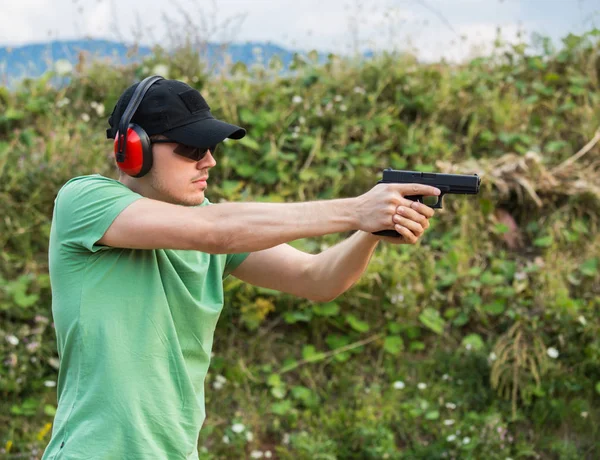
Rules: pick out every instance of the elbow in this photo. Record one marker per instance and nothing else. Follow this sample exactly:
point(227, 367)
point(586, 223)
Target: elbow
point(320, 285)
point(331, 293)
point(211, 241)
point(324, 296)
point(216, 241)
point(321, 298)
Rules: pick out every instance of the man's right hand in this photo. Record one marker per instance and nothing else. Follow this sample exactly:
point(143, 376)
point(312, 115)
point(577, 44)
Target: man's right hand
point(377, 207)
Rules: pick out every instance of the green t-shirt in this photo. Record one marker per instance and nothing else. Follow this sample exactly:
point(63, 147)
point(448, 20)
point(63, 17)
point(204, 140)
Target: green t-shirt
point(134, 333)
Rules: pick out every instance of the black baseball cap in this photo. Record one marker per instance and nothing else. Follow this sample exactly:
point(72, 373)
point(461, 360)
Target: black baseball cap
point(176, 110)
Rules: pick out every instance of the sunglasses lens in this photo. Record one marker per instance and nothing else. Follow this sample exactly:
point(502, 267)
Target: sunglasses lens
point(193, 153)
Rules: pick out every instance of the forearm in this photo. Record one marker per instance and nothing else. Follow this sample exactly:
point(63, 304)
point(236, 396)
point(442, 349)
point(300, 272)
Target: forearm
point(248, 227)
point(336, 269)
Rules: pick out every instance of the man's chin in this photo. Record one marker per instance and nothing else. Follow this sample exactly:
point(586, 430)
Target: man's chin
point(196, 200)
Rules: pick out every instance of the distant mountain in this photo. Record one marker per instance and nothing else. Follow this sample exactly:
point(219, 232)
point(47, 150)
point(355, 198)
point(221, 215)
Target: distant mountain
point(35, 59)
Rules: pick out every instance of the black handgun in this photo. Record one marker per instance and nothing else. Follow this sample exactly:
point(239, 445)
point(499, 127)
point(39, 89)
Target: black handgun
point(447, 183)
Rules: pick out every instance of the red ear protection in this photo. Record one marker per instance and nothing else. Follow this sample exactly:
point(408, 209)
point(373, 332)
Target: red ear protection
point(138, 159)
point(133, 150)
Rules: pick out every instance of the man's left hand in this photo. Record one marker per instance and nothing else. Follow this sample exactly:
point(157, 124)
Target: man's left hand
point(411, 222)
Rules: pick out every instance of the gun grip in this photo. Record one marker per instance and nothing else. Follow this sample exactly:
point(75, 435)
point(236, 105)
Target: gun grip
point(393, 233)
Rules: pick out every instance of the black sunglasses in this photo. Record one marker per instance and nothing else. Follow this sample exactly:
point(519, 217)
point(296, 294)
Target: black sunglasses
point(193, 153)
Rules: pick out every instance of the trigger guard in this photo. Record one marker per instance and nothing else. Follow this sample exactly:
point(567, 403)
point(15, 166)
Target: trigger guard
point(419, 198)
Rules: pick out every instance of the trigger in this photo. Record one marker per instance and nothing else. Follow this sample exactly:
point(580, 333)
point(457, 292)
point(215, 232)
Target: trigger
point(438, 204)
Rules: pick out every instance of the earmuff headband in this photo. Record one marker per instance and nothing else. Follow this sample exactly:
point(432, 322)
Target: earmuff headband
point(134, 103)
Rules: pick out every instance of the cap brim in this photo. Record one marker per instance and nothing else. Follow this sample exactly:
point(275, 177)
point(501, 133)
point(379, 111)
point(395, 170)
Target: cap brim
point(204, 133)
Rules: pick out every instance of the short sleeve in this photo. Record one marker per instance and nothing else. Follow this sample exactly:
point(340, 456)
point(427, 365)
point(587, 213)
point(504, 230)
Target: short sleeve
point(86, 206)
point(233, 261)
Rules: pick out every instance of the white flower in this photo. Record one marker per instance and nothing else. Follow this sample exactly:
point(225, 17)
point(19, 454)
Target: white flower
point(12, 340)
point(449, 422)
point(297, 99)
point(399, 385)
point(98, 107)
point(343, 107)
point(64, 101)
point(249, 436)
point(219, 382)
point(359, 90)
point(85, 117)
point(450, 406)
point(445, 377)
point(50, 383)
point(294, 135)
point(468, 346)
point(338, 98)
point(63, 67)
point(451, 438)
point(397, 298)
point(286, 438)
point(267, 454)
point(520, 276)
point(256, 454)
point(582, 320)
point(238, 428)
point(301, 120)
point(226, 439)
point(466, 440)
point(493, 356)
point(584, 414)
point(552, 352)
point(161, 69)
point(422, 386)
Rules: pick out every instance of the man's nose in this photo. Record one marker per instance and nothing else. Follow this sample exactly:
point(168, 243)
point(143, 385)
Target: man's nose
point(207, 162)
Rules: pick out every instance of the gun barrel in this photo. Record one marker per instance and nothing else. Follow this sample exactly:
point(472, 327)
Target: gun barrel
point(447, 183)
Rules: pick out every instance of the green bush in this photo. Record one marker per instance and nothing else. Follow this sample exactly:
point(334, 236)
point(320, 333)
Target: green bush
point(481, 341)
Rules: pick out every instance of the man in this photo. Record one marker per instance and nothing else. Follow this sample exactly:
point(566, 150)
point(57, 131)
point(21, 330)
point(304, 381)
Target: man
point(137, 267)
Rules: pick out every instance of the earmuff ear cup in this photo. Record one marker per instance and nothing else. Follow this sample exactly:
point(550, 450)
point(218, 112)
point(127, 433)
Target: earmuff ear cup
point(138, 159)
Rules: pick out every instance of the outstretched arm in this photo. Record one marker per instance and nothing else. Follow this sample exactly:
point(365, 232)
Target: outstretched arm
point(246, 227)
point(325, 276)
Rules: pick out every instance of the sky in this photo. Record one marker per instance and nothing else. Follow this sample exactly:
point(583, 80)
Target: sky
point(453, 29)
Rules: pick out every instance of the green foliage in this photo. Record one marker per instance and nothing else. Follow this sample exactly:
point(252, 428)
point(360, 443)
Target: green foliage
point(468, 345)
